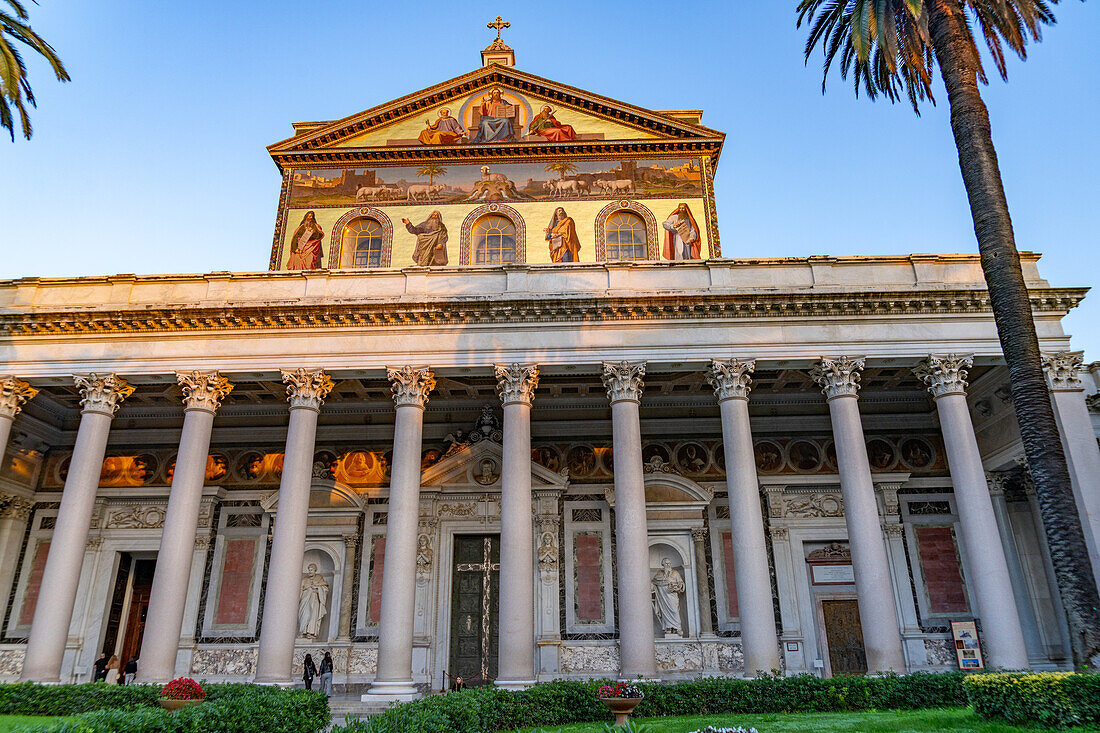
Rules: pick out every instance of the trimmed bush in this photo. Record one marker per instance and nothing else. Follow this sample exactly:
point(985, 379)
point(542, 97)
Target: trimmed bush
point(1048, 699)
point(28, 698)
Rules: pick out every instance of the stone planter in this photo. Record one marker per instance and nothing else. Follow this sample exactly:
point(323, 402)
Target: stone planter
point(170, 704)
point(622, 707)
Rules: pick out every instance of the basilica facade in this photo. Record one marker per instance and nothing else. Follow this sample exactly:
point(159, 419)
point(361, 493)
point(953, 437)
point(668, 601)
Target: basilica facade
point(502, 409)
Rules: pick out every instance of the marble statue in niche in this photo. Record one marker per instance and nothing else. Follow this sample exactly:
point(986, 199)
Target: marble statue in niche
point(312, 602)
point(667, 586)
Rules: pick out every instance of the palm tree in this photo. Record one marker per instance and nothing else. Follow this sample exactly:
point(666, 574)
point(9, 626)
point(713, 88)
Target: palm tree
point(431, 171)
point(892, 47)
point(15, 90)
point(561, 168)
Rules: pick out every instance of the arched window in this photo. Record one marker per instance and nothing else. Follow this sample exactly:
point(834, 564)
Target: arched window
point(625, 236)
point(362, 243)
point(493, 240)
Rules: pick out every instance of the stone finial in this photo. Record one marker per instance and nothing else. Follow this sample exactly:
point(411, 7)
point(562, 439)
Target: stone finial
point(13, 393)
point(307, 387)
point(102, 394)
point(944, 375)
point(411, 385)
point(731, 379)
point(1063, 369)
point(203, 390)
point(623, 380)
point(838, 376)
point(516, 382)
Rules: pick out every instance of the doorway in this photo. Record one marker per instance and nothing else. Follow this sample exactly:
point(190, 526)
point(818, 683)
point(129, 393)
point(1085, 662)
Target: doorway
point(843, 637)
point(129, 606)
point(475, 608)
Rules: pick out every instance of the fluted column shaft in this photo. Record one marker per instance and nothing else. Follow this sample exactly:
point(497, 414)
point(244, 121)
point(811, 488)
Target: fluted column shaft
point(57, 592)
point(516, 669)
point(395, 628)
point(877, 609)
point(307, 390)
point(731, 381)
point(623, 381)
point(164, 620)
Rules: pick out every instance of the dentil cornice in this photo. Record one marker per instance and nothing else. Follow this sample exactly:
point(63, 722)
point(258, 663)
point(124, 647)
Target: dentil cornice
point(839, 376)
point(307, 387)
point(516, 382)
point(102, 394)
point(411, 385)
point(623, 380)
point(1063, 369)
point(731, 379)
point(944, 375)
point(203, 390)
point(13, 393)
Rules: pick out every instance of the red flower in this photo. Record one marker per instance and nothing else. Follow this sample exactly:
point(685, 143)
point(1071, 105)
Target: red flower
point(184, 688)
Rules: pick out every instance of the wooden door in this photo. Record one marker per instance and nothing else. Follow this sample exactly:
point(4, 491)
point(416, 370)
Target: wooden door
point(139, 607)
point(475, 608)
point(844, 637)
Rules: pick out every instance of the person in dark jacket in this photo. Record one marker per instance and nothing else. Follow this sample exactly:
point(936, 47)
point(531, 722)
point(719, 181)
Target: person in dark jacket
point(130, 671)
point(309, 671)
point(326, 674)
point(99, 668)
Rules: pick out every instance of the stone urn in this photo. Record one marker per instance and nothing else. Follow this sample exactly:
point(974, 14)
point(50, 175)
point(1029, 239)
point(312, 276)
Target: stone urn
point(170, 704)
point(622, 707)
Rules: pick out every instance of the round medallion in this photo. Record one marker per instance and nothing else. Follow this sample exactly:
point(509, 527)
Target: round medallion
point(769, 456)
point(581, 460)
point(881, 454)
point(692, 458)
point(917, 453)
point(804, 456)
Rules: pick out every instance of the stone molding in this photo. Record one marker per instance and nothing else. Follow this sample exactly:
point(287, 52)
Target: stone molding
point(516, 382)
point(838, 376)
point(944, 375)
point(624, 380)
point(13, 393)
point(203, 390)
point(102, 394)
point(731, 379)
point(1062, 370)
point(411, 385)
point(307, 387)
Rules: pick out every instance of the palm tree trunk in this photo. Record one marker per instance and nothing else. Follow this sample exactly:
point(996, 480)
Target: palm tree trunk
point(1012, 312)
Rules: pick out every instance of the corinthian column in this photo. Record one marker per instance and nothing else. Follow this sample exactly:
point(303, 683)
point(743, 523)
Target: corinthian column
point(203, 393)
point(306, 392)
point(394, 679)
point(516, 384)
point(1004, 640)
point(13, 394)
point(100, 399)
point(731, 381)
point(839, 380)
point(14, 510)
point(623, 381)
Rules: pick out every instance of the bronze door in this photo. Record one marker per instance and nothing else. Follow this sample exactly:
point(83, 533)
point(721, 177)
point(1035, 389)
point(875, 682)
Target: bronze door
point(844, 637)
point(139, 606)
point(474, 608)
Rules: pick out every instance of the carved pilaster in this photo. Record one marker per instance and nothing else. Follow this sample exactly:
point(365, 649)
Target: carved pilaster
point(780, 534)
point(548, 545)
point(774, 496)
point(838, 377)
point(203, 390)
point(944, 375)
point(411, 385)
point(1063, 370)
point(731, 379)
point(307, 387)
point(516, 382)
point(102, 394)
point(13, 393)
point(890, 505)
point(623, 380)
point(15, 507)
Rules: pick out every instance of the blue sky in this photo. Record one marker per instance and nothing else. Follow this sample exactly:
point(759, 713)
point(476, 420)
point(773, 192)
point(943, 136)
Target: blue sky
point(152, 160)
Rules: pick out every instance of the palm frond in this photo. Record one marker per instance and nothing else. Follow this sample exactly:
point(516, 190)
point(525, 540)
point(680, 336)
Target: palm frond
point(15, 89)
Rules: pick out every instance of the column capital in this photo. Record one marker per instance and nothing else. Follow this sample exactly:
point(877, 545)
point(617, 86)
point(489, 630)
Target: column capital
point(351, 541)
point(307, 387)
point(411, 385)
point(623, 380)
point(102, 394)
point(944, 375)
point(997, 482)
point(15, 507)
point(203, 390)
point(838, 376)
point(699, 534)
point(13, 393)
point(1062, 370)
point(731, 379)
point(516, 382)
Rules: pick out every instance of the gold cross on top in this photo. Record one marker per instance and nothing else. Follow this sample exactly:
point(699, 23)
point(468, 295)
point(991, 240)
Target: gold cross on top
point(498, 24)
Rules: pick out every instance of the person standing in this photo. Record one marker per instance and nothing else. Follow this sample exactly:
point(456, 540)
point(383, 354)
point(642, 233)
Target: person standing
point(99, 667)
point(326, 674)
point(309, 671)
point(111, 677)
point(130, 671)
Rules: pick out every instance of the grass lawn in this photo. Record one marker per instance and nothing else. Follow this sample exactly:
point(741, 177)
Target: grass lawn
point(9, 722)
point(961, 720)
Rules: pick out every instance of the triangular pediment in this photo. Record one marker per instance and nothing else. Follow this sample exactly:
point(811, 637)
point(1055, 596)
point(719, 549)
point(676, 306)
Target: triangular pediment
point(477, 467)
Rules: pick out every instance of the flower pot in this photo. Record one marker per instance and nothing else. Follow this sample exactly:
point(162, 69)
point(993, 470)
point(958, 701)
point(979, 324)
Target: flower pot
point(169, 704)
point(622, 707)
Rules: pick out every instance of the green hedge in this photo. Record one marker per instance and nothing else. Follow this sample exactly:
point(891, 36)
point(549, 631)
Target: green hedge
point(233, 708)
point(1048, 699)
point(561, 703)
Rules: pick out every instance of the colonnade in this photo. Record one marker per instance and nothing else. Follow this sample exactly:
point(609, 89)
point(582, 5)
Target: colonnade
point(987, 571)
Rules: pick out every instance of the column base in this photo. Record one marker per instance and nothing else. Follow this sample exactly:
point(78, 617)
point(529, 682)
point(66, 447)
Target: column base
point(402, 691)
point(515, 684)
point(273, 683)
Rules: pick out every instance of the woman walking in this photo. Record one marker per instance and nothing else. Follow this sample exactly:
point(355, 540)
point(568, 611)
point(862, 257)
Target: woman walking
point(309, 671)
point(326, 674)
point(112, 670)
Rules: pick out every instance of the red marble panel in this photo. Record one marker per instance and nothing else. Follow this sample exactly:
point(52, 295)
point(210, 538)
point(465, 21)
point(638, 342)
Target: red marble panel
point(34, 582)
point(731, 578)
point(236, 582)
point(589, 585)
point(940, 563)
point(376, 579)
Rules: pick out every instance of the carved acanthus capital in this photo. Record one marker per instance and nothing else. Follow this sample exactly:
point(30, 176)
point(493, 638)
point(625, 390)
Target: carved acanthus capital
point(516, 382)
point(838, 377)
point(411, 385)
point(780, 534)
point(15, 507)
point(13, 393)
point(203, 390)
point(623, 380)
point(1063, 370)
point(202, 542)
point(891, 529)
point(307, 387)
point(699, 534)
point(997, 482)
point(102, 394)
point(351, 541)
point(731, 379)
point(944, 375)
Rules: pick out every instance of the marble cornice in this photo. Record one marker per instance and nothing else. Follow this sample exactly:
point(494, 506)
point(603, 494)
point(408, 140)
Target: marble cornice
point(355, 314)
